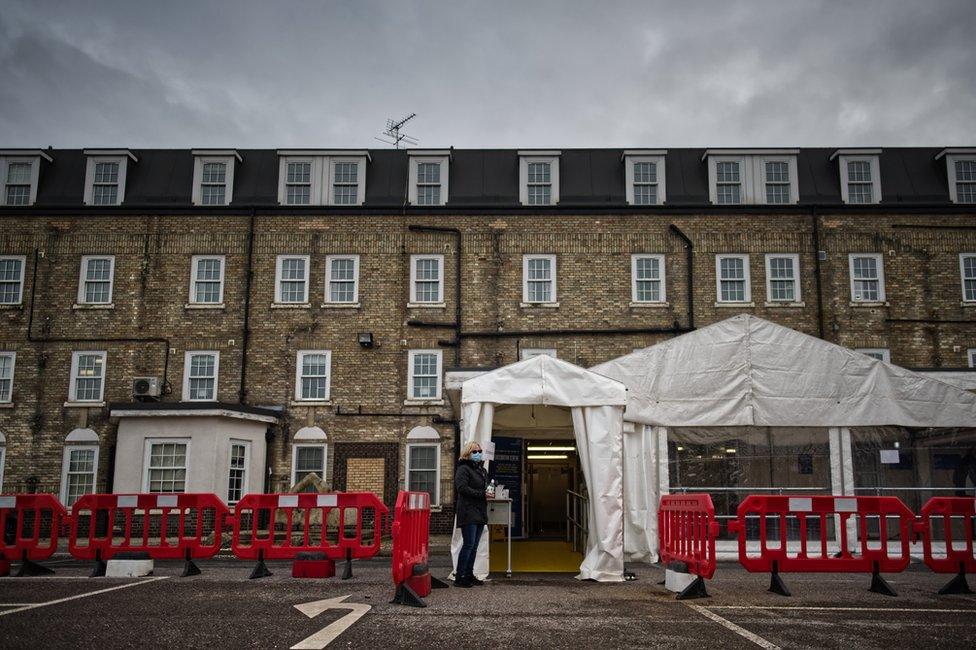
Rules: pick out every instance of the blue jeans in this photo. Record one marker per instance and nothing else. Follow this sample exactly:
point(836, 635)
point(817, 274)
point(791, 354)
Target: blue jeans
point(471, 534)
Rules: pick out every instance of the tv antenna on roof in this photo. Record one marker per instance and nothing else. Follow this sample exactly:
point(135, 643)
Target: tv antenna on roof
point(393, 135)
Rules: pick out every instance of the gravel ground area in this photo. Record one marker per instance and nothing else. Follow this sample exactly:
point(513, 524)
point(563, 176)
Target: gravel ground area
point(222, 608)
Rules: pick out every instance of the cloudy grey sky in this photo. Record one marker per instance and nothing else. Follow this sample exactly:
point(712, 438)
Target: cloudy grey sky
point(487, 74)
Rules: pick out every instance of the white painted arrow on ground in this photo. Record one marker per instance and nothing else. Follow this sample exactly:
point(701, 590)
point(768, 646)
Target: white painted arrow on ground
point(328, 634)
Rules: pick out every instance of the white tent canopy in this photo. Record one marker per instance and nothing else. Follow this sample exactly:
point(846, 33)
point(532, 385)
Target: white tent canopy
point(596, 405)
point(748, 371)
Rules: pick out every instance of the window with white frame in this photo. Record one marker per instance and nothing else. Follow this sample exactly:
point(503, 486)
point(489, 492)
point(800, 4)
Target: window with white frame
point(8, 360)
point(3, 459)
point(777, 181)
point(647, 278)
point(105, 176)
point(313, 375)
point(298, 182)
point(972, 357)
point(528, 353)
point(213, 176)
point(97, 277)
point(783, 277)
point(307, 459)
point(539, 178)
point(240, 452)
point(867, 277)
point(345, 182)
point(539, 278)
point(423, 469)
point(207, 283)
point(965, 181)
point(860, 178)
point(732, 277)
point(429, 178)
point(881, 354)
point(644, 177)
point(426, 278)
point(17, 189)
point(78, 468)
point(12, 279)
point(291, 275)
point(967, 271)
point(213, 183)
point(87, 376)
point(105, 185)
point(728, 182)
point(200, 373)
point(425, 374)
point(165, 466)
point(342, 279)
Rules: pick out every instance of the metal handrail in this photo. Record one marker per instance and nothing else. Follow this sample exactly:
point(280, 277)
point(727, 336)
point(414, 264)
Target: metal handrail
point(777, 490)
point(577, 518)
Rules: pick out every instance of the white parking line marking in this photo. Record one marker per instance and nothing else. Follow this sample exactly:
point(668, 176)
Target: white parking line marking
point(85, 595)
point(741, 631)
point(846, 609)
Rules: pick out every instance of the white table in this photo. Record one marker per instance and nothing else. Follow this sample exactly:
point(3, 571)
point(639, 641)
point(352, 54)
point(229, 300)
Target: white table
point(500, 512)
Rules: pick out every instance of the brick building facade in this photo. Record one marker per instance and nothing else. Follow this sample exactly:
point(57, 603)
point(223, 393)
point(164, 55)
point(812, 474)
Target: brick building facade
point(917, 228)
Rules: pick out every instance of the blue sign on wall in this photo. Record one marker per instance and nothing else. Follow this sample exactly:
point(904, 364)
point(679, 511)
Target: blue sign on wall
point(507, 471)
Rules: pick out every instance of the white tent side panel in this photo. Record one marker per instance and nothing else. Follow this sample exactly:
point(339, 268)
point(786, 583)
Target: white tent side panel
point(749, 371)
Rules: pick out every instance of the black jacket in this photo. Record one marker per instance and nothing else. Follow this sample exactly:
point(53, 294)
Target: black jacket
point(470, 481)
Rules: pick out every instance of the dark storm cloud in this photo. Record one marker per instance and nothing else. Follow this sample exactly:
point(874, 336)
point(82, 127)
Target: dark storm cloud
point(487, 74)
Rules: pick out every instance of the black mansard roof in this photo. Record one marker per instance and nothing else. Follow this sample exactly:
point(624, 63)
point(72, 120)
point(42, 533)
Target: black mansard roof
point(488, 178)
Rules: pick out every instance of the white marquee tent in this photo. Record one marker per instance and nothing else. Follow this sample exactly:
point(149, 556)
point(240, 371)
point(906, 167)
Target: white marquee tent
point(596, 405)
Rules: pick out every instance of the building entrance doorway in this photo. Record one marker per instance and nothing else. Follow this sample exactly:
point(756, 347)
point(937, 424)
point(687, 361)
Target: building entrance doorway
point(552, 472)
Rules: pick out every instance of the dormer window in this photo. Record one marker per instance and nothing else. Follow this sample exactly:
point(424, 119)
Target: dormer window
point(429, 177)
point(961, 172)
point(307, 177)
point(752, 176)
point(860, 177)
point(19, 171)
point(539, 177)
point(105, 176)
point(213, 176)
point(644, 176)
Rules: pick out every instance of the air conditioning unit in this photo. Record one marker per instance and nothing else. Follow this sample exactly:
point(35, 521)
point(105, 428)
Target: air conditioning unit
point(145, 387)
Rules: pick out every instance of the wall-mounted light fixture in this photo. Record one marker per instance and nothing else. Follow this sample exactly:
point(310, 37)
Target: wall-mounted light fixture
point(365, 339)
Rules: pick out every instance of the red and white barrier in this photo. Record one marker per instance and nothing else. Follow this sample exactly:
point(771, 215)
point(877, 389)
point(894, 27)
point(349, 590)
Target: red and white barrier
point(411, 543)
point(687, 531)
point(960, 555)
point(30, 526)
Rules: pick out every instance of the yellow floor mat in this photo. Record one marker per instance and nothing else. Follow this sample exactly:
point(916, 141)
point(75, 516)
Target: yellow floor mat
point(535, 557)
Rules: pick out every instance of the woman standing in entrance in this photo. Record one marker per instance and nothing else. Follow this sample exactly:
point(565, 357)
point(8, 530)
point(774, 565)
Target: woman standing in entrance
point(470, 484)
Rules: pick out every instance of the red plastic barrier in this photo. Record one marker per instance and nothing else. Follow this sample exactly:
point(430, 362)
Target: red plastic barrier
point(104, 525)
point(411, 537)
point(23, 519)
point(959, 553)
point(687, 530)
point(872, 556)
point(257, 544)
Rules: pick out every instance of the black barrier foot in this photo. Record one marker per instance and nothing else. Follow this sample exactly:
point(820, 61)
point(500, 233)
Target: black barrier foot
point(347, 570)
point(436, 583)
point(957, 585)
point(260, 571)
point(407, 596)
point(777, 586)
point(191, 569)
point(98, 571)
point(695, 590)
point(879, 585)
point(31, 568)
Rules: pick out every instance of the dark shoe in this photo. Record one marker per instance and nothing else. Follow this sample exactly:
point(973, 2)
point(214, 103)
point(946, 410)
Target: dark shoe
point(463, 582)
point(475, 582)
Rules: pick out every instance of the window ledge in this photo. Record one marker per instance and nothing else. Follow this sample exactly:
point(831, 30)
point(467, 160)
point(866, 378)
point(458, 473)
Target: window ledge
point(968, 303)
point(19, 306)
point(649, 305)
point(542, 305)
point(7, 405)
point(204, 305)
point(310, 402)
point(291, 305)
point(776, 304)
point(426, 305)
point(437, 508)
point(83, 405)
point(110, 305)
point(735, 304)
point(423, 402)
point(871, 304)
point(341, 305)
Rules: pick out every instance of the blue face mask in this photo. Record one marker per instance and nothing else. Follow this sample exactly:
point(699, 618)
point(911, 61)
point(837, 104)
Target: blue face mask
point(476, 456)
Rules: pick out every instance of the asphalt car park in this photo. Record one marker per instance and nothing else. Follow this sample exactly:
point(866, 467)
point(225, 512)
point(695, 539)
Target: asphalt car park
point(223, 608)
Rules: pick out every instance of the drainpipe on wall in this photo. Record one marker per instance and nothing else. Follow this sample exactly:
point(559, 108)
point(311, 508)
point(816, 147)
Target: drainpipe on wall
point(246, 334)
point(815, 218)
point(690, 252)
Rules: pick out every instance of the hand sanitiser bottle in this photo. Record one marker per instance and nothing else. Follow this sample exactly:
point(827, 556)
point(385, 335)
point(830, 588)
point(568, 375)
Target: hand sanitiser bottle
point(491, 489)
